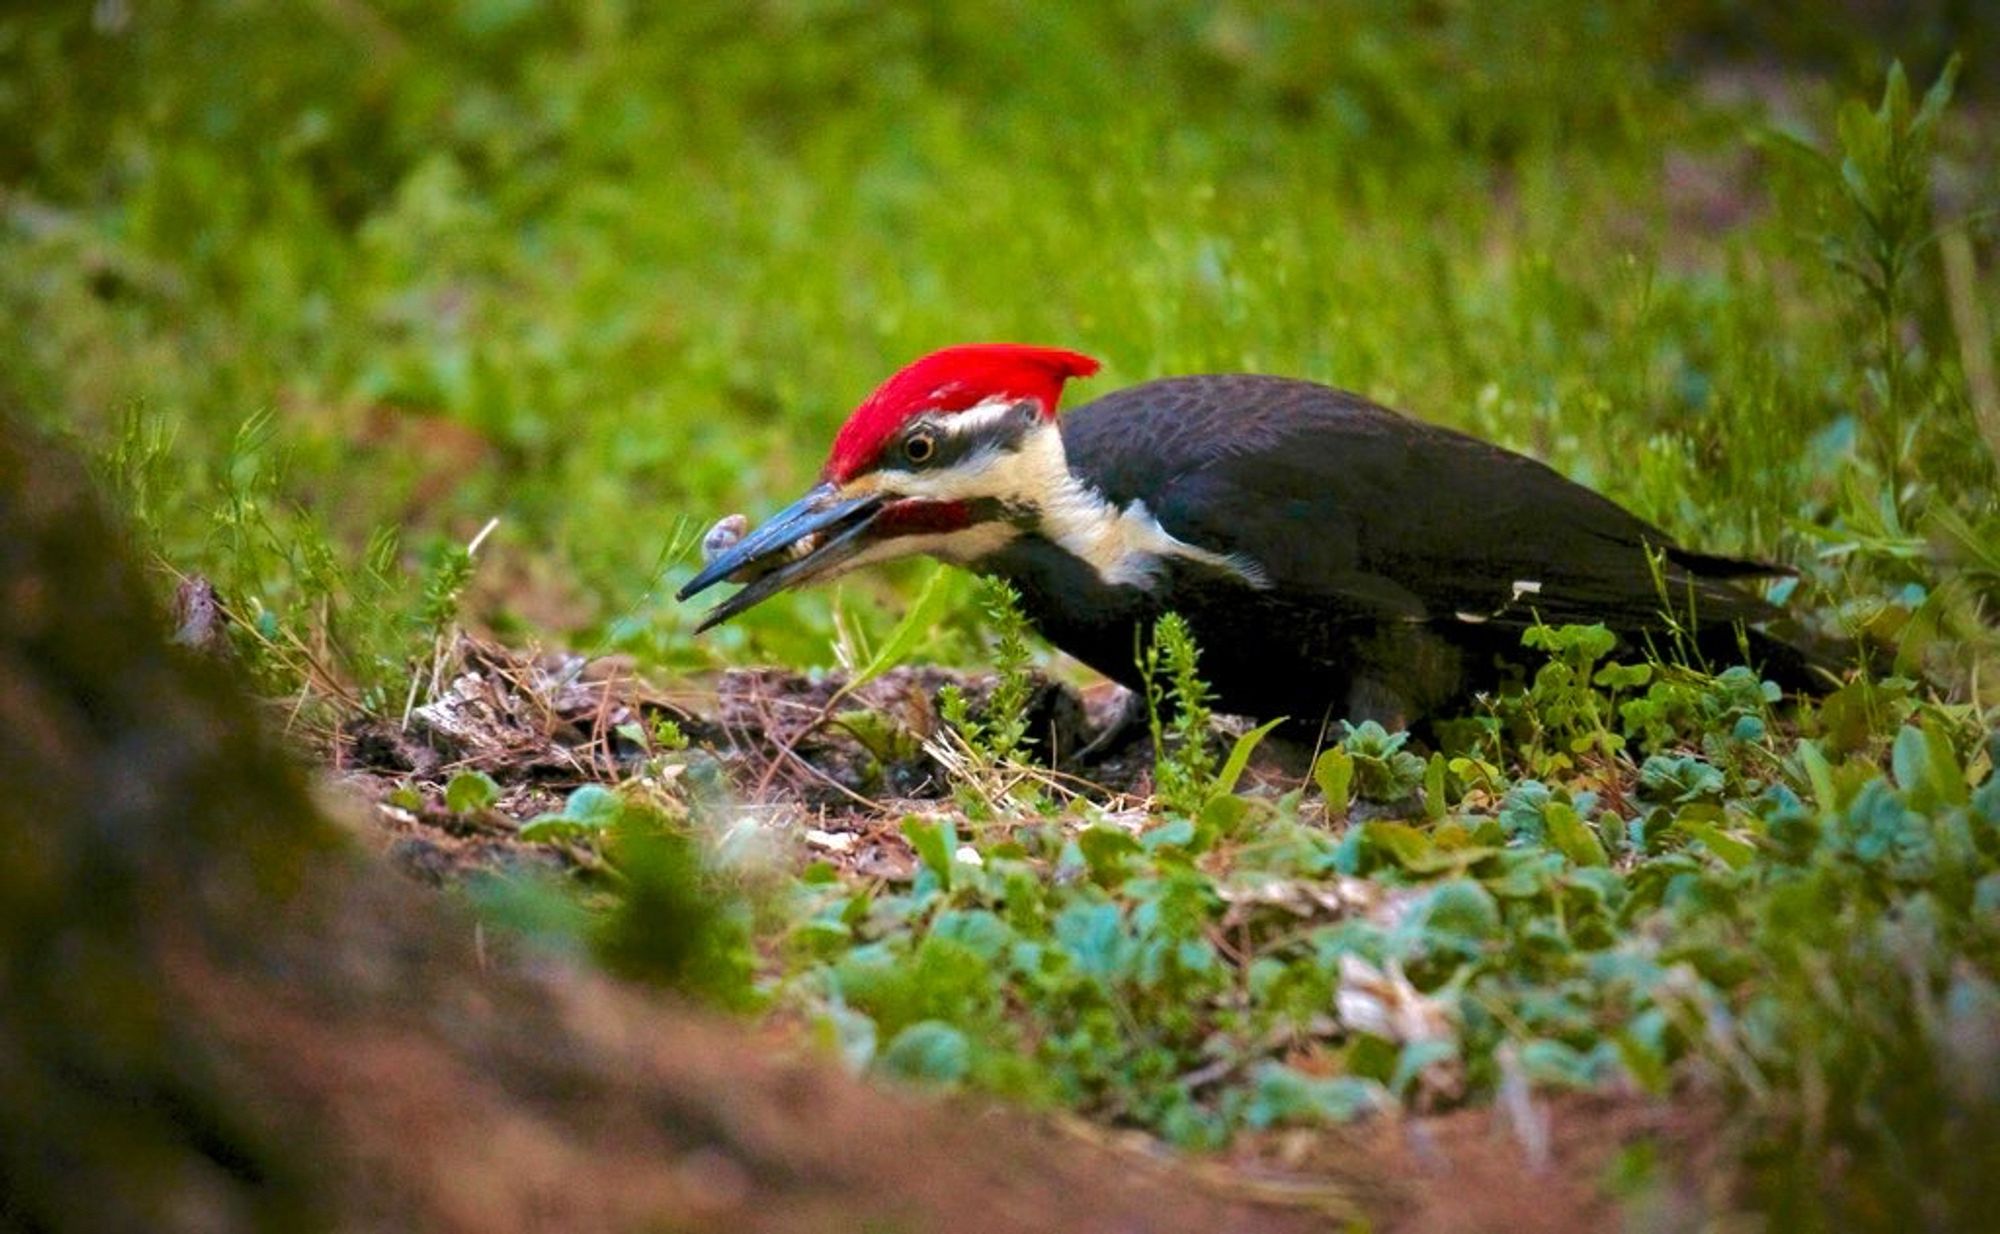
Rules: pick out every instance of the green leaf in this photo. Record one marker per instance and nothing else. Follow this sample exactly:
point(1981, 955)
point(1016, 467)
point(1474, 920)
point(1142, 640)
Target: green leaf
point(593, 804)
point(879, 734)
point(1850, 716)
point(979, 930)
point(852, 1033)
point(1792, 144)
point(1623, 676)
point(1460, 910)
point(1926, 769)
point(929, 1051)
point(545, 827)
point(470, 792)
point(1679, 779)
point(1239, 756)
point(534, 908)
point(1557, 1064)
point(1643, 1062)
point(1093, 936)
point(589, 810)
point(1476, 773)
point(1572, 837)
point(1283, 1096)
point(1372, 1057)
point(1105, 850)
point(934, 839)
point(1383, 769)
point(1334, 773)
point(1732, 851)
point(1408, 847)
point(1415, 1057)
point(1174, 833)
point(1434, 803)
point(1522, 810)
point(1223, 815)
point(923, 613)
point(1578, 645)
point(1820, 773)
point(1911, 758)
point(1879, 828)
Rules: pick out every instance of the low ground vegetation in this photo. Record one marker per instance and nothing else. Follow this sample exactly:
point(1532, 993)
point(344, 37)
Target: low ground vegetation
point(603, 278)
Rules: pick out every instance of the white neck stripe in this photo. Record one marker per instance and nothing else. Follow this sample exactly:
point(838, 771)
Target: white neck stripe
point(1125, 547)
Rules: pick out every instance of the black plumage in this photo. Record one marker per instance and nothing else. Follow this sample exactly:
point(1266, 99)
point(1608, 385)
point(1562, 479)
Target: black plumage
point(1400, 561)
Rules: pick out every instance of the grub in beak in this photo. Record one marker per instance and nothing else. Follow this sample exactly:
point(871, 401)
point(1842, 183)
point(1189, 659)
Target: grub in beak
point(804, 541)
point(729, 531)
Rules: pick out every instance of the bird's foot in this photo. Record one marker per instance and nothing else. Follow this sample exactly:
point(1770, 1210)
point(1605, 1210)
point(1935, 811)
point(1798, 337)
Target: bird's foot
point(1127, 722)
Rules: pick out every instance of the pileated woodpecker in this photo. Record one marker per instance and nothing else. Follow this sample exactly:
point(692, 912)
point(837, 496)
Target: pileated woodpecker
point(1334, 559)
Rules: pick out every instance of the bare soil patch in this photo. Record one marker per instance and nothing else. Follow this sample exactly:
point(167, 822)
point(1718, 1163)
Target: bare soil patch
point(541, 725)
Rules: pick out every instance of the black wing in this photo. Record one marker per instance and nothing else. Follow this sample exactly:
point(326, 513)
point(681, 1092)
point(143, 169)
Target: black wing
point(1331, 494)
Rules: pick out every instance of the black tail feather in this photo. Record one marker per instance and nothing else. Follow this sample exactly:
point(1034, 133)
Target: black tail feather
point(1712, 565)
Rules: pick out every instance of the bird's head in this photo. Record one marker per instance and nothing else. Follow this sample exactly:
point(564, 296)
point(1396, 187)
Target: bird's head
point(948, 457)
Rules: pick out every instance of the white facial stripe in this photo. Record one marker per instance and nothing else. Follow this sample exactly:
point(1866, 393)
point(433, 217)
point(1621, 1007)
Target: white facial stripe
point(1126, 547)
point(968, 478)
point(979, 418)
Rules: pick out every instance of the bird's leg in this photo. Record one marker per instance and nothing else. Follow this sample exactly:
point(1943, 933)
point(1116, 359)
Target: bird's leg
point(1371, 698)
point(1130, 718)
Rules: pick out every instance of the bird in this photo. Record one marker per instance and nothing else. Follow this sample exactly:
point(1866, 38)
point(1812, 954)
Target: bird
point(1333, 559)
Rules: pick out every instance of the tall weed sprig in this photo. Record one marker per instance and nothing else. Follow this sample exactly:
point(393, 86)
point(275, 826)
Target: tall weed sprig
point(1184, 763)
point(997, 739)
point(1882, 175)
point(1005, 727)
point(1000, 733)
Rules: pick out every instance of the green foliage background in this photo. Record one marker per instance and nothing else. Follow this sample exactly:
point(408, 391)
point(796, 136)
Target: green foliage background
point(650, 255)
point(327, 287)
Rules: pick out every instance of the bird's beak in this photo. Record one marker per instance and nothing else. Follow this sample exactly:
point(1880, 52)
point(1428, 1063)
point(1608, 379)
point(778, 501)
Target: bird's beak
point(828, 527)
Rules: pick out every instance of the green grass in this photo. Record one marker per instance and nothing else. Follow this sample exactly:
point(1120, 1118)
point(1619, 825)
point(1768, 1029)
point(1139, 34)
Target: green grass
point(650, 263)
point(326, 289)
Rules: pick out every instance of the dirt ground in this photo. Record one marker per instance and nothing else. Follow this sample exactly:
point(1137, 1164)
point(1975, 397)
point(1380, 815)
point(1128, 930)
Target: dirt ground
point(542, 724)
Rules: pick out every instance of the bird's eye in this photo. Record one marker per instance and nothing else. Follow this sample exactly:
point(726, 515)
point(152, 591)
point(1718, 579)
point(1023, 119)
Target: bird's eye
point(919, 448)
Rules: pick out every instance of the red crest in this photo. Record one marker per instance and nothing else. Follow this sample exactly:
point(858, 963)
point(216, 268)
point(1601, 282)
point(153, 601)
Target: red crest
point(952, 380)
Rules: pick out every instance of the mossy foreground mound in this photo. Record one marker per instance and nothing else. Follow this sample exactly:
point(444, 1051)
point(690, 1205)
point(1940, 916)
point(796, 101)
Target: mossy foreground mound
point(215, 1015)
